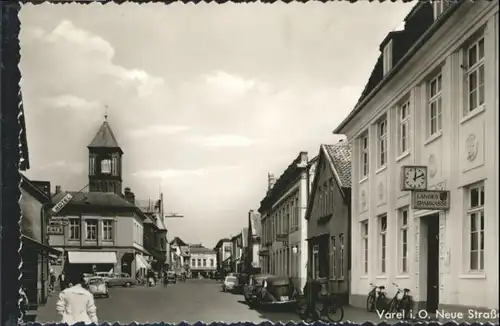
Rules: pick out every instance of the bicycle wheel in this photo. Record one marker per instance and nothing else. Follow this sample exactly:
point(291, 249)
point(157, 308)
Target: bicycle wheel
point(335, 312)
point(370, 303)
point(393, 306)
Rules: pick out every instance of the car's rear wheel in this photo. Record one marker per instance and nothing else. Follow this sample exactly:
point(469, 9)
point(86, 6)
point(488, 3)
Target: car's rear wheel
point(128, 284)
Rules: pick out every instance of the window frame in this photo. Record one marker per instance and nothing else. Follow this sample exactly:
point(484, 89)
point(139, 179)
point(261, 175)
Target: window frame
point(404, 121)
point(476, 212)
point(404, 228)
point(341, 256)
point(382, 248)
point(382, 142)
point(91, 224)
point(475, 68)
point(365, 236)
point(365, 156)
point(77, 226)
point(439, 7)
point(437, 100)
point(387, 58)
point(333, 257)
point(105, 162)
point(107, 226)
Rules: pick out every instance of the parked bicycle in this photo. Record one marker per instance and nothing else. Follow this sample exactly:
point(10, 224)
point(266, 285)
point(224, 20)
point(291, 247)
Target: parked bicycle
point(326, 307)
point(403, 305)
point(374, 297)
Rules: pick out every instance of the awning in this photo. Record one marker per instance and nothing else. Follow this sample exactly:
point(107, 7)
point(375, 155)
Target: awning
point(33, 242)
point(317, 236)
point(92, 257)
point(141, 262)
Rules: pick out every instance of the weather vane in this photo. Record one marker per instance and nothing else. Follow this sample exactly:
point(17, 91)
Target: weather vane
point(106, 112)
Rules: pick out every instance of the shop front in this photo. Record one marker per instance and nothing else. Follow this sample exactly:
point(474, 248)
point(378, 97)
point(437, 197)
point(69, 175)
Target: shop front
point(90, 261)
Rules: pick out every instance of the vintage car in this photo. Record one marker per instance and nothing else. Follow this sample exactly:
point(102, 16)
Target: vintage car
point(171, 277)
point(274, 290)
point(122, 279)
point(98, 287)
point(252, 287)
point(105, 276)
point(229, 283)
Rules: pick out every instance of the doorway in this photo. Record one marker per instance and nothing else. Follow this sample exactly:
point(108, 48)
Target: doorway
point(432, 224)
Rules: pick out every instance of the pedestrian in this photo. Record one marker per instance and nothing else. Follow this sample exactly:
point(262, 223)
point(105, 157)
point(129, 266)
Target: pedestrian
point(63, 281)
point(311, 292)
point(76, 304)
point(52, 280)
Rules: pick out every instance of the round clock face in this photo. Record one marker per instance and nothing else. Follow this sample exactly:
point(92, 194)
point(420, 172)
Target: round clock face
point(415, 178)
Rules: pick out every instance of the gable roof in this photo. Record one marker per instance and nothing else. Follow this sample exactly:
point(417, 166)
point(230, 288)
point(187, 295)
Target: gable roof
point(220, 242)
point(339, 156)
point(104, 138)
point(178, 241)
point(33, 190)
point(338, 159)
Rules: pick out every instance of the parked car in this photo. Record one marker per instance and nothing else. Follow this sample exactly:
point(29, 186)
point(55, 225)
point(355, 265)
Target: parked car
point(242, 280)
point(229, 283)
point(171, 277)
point(275, 290)
point(122, 279)
point(252, 288)
point(98, 287)
point(87, 276)
point(105, 276)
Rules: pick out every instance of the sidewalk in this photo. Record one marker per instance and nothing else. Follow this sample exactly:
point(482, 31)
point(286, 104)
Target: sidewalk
point(47, 313)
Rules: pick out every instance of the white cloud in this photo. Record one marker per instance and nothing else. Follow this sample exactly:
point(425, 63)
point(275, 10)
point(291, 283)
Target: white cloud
point(176, 173)
point(68, 101)
point(229, 83)
point(77, 40)
point(226, 140)
point(158, 130)
point(72, 167)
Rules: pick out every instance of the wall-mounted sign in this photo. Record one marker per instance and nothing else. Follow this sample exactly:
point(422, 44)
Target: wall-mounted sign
point(63, 202)
point(55, 229)
point(430, 199)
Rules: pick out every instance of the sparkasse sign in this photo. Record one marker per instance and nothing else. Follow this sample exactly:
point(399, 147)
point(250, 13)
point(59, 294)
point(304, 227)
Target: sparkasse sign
point(63, 202)
point(430, 199)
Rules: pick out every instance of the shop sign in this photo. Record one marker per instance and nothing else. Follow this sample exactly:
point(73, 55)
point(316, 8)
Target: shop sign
point(63, 202)
point(430, 199)
point(55, 229)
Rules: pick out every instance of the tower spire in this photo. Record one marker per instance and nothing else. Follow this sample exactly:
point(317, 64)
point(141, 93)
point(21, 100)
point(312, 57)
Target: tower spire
point(105, 113)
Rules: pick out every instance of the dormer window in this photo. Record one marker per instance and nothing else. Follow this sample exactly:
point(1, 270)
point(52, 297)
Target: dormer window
point(387, 56)
point(439, 6)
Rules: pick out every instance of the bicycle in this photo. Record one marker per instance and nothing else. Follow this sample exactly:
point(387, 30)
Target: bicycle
point(404, 304)
point(326, 306)
point(373, 297)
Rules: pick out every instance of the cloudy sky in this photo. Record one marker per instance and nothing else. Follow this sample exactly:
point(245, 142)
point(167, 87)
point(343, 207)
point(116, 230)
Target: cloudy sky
point(205, 100)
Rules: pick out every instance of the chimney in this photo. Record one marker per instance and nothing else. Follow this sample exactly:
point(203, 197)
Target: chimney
point(58, 190)
point(271, 180)
point(129, 195)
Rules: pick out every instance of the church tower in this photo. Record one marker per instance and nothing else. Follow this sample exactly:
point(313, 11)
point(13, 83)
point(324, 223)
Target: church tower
point(105, 161)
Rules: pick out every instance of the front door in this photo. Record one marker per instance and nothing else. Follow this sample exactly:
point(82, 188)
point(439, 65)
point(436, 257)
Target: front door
point(432, 222)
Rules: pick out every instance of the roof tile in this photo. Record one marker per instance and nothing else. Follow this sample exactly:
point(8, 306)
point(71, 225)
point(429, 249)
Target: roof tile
point(107, 199)
point(340, 155)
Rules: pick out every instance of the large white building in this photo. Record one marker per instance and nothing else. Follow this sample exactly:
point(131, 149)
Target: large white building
point(434, 103)
point(284, 227)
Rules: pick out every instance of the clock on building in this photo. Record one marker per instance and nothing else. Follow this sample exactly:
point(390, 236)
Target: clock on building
point(413, 177)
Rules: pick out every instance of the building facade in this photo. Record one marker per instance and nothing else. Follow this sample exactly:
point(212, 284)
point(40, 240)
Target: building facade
point(284, 228)
point(236, 253)
point(179, 253)
point(252, 261)
point(103, 229)
point(203, 261)
point(433, 103)
point(223, 253)
point(35, 251)
point(329, 220)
